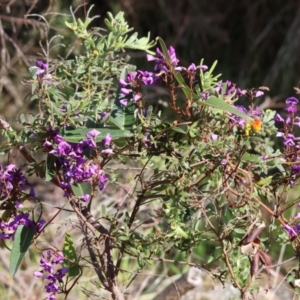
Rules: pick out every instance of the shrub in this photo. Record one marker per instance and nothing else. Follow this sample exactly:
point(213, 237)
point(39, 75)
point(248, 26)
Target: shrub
point(203, 171)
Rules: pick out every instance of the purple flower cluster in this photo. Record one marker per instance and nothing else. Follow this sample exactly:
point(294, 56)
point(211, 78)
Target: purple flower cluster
point(48, 262)
point(230, 89)
point(291, 142)
point(240, 122)
point(292, 230)
point(13, 182)
point(9, 228)
point(161, 66)
point(160, 60)
point(291, 110)
point(75, 167)
point(42, 72)
point(42, 68)
point(130, 87)
point(12, 188)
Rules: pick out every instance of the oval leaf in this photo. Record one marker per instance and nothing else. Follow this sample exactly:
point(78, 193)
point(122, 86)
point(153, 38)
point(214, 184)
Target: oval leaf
point(221, 104)
point(22, 241)
point(78, 134)
point(81, 189)
point(70, 253)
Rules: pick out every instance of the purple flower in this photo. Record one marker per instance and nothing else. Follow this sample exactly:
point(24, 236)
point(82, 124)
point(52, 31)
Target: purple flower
point(151, 57)
point(18, 204)
point(85, 198)
point(51, 287)
point(126, 91)
point(230, 89)
point(289, 140)
point(288, 120)
point(240, 92)
point(11, 226)
point(63, 148)
point(241, 108)
point(173, 57)
point(40, 225)
point(279, 134)
point(42, 65)
point(123, 83)
point(47, 144)
point(160, 59)
point(291, 109)
point(203, 67)
point(256, 112)
point(107, 140)
point(291, 231)
point(258, 93)
point(291, 101)
point(104, 115)
point(130, 77)
point(63, 108)
point(223, 162)
point(137, 97)
point(47, 263)
point(102, 180)
point(38, 274)
point(297, 121)
point(278, 118)
point(124, 101)
point(107, 151)
point(192, 67)
point(295, 169)
point(61, 273)
point(31, 192)
point(58, 138)
point(147, 78)
point(238, 120)
point(92, 134)
point(213, 136)
point(205, 95)
point(13, 180)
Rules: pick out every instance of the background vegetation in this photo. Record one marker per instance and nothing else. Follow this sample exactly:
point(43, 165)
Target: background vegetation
point(256, 42)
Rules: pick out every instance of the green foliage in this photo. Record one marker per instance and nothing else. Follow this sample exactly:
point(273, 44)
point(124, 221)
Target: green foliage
point(22, 240)
point(201, 178)
point(71, 259)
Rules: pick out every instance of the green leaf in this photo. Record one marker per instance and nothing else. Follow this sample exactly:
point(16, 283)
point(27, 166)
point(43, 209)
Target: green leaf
point(22, 240)
point(122, 116)
point(221, 104)
point(239, 230)
point(103, 210)
point(72, 26)
point(180, 129)
point(70, 253)
point(265, 181)
point(178, 231)
point(187, 91)
point(140, 261)
point(249, 157)
point(50, 167)
point(81, 189)
point(210, 259)
point(78, 134)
